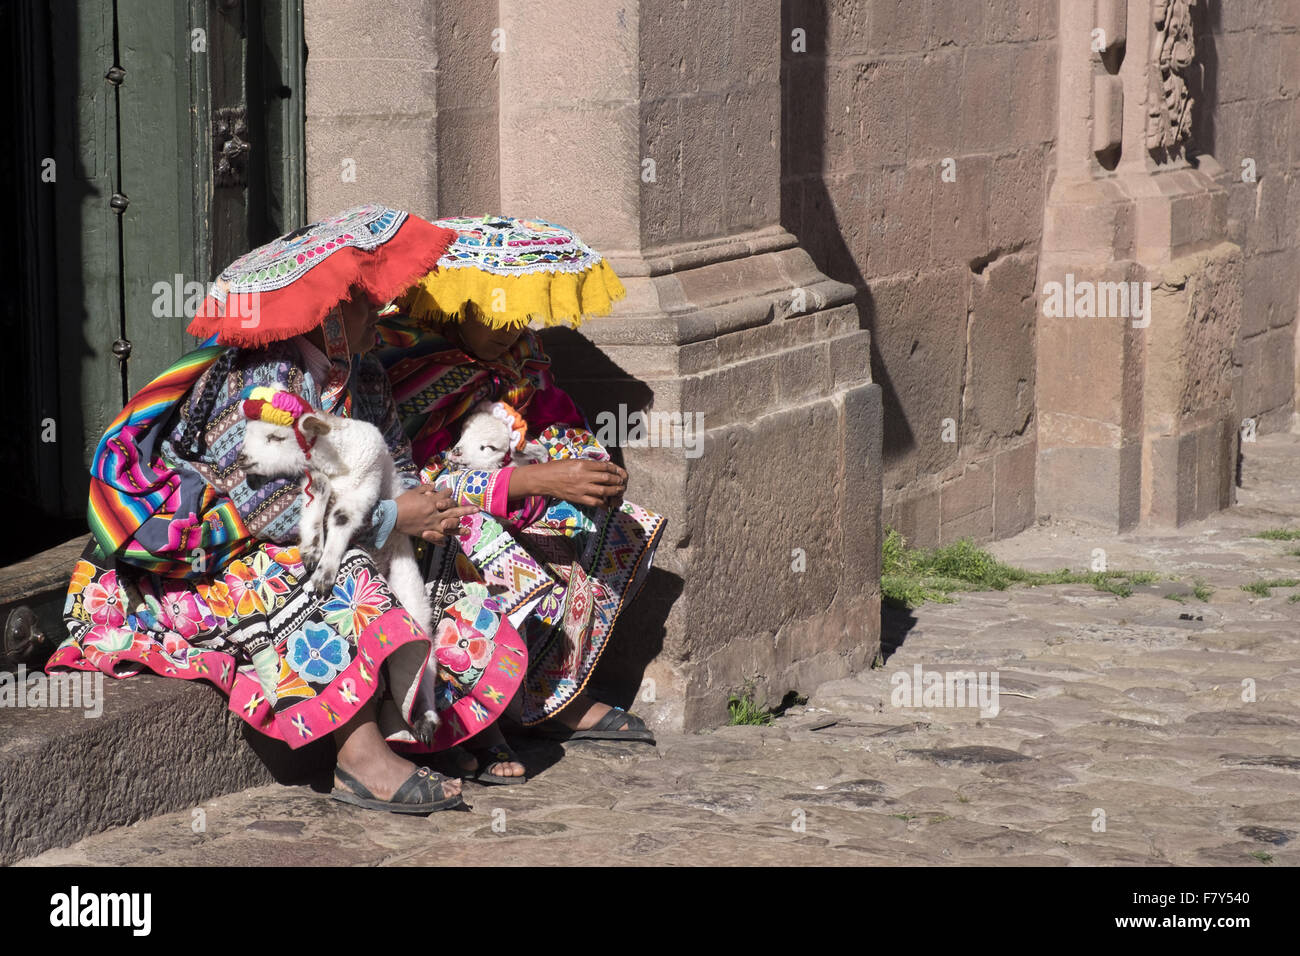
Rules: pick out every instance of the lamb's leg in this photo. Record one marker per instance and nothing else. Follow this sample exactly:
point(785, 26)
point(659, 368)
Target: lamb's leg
point(408, 586)
point(405, 580)
point(403, 574)
point(351, 503)
point(311, 527)
point(341, 528)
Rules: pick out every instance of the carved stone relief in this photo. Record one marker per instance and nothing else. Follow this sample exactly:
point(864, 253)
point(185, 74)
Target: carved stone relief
point(1173, 48)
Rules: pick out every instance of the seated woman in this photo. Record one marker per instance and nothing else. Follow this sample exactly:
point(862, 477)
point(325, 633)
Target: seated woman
point(555, 543)
point(194, 572)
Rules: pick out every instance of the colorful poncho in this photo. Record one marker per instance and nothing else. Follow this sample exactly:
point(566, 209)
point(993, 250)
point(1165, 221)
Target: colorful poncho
point(436, 383)
point(562, 573)
point(156, 515)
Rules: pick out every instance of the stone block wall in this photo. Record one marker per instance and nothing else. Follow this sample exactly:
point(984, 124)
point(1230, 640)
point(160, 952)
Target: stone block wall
point(825, 208)
point(402, 106)
point(469, 170)
point(1138, 395)
point(918, 144)
point(372, 83)
point(1250, 121)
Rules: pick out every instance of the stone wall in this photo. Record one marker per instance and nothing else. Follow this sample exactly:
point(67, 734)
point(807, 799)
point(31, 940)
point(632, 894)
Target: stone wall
point(371, 104)
point(402, 106)
point(886, 94)
point(663, 152)
point(1251, 115)
point(879, 95)
point(821, 207)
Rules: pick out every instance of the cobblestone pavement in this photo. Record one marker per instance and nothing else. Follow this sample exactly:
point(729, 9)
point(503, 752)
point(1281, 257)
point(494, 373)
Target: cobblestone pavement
point(1124, 736)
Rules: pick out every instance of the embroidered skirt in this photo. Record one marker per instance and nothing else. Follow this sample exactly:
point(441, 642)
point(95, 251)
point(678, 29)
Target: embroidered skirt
point(332, 649)
point(563, 581)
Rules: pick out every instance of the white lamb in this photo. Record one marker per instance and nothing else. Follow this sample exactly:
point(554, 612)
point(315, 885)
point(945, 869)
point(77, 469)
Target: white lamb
point(350, 470)
point(487, 443)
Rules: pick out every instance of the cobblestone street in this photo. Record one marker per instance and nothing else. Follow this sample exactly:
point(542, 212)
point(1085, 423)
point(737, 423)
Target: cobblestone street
point(1122, 737)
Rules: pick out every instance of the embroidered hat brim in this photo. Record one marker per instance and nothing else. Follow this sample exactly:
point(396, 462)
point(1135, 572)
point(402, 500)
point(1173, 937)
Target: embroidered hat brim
point(288, 286)
point(510, 272)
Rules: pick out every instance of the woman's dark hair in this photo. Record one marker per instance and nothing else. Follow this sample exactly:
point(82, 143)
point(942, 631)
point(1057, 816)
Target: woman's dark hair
point(200, 410)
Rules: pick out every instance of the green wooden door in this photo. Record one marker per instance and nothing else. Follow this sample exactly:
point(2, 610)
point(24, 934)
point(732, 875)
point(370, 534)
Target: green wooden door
point(175, 133)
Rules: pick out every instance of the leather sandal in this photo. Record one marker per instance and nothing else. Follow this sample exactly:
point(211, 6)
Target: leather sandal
point(420, 793)
point(617, 724)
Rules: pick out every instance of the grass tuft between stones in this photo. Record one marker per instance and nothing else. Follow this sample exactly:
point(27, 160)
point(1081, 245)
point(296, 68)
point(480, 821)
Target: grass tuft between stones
point(1264, 588)
point(912, 576)
point(744, 712)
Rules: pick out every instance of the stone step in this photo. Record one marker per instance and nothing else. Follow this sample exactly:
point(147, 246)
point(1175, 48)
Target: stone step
point(146, 745)
point(131, 749)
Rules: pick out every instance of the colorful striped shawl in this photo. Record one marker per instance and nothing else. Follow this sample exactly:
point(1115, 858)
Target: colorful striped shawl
point(435, 382)
point(144, 511)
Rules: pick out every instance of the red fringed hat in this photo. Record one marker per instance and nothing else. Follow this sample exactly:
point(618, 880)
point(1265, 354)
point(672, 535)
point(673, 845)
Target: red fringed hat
point(286, 287)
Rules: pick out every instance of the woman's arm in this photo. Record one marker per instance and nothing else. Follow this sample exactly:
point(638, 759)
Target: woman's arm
point(575, 480)
point(579, 470)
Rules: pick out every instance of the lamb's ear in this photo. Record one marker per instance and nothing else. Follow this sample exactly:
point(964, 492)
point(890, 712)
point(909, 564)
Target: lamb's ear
point(313, 424)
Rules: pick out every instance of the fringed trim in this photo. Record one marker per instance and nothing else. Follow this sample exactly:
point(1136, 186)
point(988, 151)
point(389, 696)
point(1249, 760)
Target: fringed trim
point(255, 319)
point(552, 298)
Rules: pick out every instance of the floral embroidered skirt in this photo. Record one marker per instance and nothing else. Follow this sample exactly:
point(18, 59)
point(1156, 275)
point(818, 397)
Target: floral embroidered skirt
point(332, 649)
point(563, 581)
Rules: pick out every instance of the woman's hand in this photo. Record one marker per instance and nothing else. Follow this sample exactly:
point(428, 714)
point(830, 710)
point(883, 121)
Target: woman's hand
point(575, 480)
point(428, 513)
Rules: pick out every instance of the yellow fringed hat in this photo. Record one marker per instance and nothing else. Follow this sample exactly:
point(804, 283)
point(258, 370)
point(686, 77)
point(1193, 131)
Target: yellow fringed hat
point(514, 271)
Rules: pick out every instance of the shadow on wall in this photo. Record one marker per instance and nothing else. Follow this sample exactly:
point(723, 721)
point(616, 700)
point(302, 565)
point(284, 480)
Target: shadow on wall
point(807, 209)
point(1203, 83)
point(598, 384)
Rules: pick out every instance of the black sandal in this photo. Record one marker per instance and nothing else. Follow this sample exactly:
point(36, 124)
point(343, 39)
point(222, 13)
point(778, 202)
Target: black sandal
point(421, 793)
point(490, 754)
point(617, 724)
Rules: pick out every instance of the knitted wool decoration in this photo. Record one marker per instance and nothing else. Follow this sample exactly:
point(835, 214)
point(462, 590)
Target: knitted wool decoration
point(277, 407)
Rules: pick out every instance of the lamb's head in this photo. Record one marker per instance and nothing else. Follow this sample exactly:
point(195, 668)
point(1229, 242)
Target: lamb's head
point(271, 451)
point(281, 433)
point(485, 443)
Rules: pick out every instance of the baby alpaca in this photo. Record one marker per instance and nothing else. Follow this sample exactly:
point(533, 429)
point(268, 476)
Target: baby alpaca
point(493, 437)
point(348, 471)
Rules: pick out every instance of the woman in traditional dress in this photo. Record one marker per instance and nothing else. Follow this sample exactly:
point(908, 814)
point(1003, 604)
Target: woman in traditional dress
point(194, 570)
point(554, 542)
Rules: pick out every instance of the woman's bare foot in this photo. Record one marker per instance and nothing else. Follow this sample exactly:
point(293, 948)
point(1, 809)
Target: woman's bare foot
point(490, 738)
point(363, 752)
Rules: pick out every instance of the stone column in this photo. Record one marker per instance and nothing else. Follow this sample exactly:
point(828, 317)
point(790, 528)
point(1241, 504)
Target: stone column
point(653, 130)
point(1141, 291)
point(371, 105)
